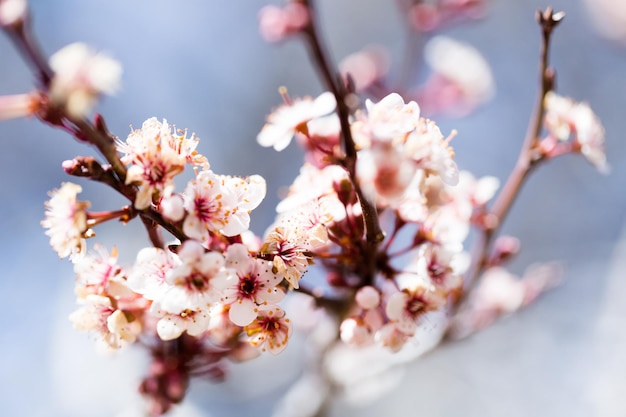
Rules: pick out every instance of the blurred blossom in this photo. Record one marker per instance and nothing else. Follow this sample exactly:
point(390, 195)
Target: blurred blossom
point(19, 105)
point(277, 22)
point(81, 75)
point(292, 117)
point(461, 80)
point(12, 11)
point(567, 119)
point(366, 67)
point(609, 18)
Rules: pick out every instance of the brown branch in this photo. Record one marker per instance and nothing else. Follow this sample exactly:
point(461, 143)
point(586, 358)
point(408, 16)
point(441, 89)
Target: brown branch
point(526, 161)
point(373, 232)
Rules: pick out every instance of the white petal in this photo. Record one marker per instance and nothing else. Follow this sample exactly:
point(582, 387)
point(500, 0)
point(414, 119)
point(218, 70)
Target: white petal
point(242, 312)
point(169, 328)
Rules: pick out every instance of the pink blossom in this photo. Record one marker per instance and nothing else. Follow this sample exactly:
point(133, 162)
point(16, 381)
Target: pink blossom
point(367, 297)
point(253, 284)
point(270, 330)
point(171, 326)
point(275, 23)
point(292, 117)
point(388, 120)
point(366, 67)
point(99, 273)
point(190, 284)
point(209, 205)
point(113, 327)
point(565, 117)
point(147, 277)
point(289, 245)
point(19, 105)
point(66, 221)
point(461, 80)
point(415, 298)
point(249, 193)
point(12, 12)
point(156, 157)
point(80, 76)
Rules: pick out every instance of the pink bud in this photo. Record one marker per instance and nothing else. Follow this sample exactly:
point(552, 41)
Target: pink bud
point(12, 12)
point(297, 16)
point(19, 105)
point(368, 297)
point(272, 23)
point(424, 17)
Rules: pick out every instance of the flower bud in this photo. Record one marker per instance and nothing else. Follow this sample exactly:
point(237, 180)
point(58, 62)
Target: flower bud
point(368, 297)
point(12, 12)
point(19, 105)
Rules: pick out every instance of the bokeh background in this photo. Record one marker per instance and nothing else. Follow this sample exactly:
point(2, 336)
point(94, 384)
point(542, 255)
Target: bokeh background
point(202, 65)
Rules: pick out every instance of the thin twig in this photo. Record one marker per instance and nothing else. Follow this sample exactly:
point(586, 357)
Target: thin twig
point(526, 161)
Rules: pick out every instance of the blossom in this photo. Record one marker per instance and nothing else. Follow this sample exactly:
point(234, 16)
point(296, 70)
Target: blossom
point(367, 297)
point(171, 326)
point(99, 273)
point(18, 105)
point(385, 174)
point(432, 152)
point(311, 185)
point(565, 117)
point(147, 277)
point(442, 265)
point(80, 76)
point(415, 298)
point(292, 117)
point(66, 221)
point(275, 23)
point(249, 193)
point(270, 330)
point(209, 205)
point(388, 120)
point(461, 80)
point(100, 316)
point(289, 245)
point(156, 156)
point(12, 12)
point(190, 284)
point(367, 67)
point(252, 285)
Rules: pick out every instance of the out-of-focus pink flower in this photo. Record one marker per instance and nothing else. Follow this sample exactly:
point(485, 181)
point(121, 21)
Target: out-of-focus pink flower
point(609, 18)
point(292, 117)
point(19, 105)
point(366, 67)
point(12, 12)
point(171, 326)
point(80, 76)
point(98, 315)
point(566, 118)
point(275, 23)
point(66, 221)
point(461, 80)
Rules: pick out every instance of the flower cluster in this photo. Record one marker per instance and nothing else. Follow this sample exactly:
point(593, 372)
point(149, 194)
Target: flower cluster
point(179, 289)
point(406, 169)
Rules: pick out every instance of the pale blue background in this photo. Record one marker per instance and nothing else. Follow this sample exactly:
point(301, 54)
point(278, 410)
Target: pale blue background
point(202, 65)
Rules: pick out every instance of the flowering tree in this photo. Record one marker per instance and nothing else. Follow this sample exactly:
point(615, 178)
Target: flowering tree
point(379, 207)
